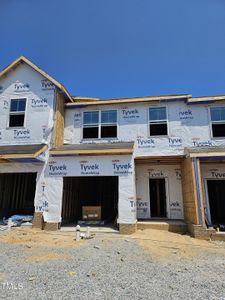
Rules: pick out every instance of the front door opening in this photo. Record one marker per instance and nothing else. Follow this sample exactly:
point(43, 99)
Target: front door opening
point(17, 192)
point(216, 196)
point(157, 189)
point(99, 191)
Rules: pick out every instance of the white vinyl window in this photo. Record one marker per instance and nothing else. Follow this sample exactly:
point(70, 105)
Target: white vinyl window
point(158, 121)
point(109, 124)
point(17, 112)
point(91, 125)
point(100, 124)
point(218, 121)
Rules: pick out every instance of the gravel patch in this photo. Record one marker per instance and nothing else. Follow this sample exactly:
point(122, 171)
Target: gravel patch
point(109, 267)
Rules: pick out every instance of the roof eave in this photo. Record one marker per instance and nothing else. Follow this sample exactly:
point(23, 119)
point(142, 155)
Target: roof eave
point(206, 99)
point(23, 155)
point(129, 100)
point(39, 70)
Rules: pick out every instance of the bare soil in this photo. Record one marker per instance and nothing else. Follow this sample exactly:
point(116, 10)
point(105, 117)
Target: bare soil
point(150, 264)
point(167, 245)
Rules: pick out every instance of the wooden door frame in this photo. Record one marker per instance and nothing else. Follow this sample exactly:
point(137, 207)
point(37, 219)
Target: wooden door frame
point(205, 180)
point(167, 195)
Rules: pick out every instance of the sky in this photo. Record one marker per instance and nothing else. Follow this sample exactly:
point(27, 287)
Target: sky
point(120, 48)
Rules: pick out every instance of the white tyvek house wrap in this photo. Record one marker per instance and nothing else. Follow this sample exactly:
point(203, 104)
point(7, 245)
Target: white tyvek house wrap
point(48, 198)
point(54, 191)
point(188, 126)
point(24, 82)
point(27, 168)
point(214, 172)
point(48, 195)
point(127, 200)
point(172, 174)
point(115, 165)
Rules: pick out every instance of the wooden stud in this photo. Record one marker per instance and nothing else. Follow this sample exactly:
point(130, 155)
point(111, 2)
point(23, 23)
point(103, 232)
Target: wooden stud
point(91, 152)
point(59, 121)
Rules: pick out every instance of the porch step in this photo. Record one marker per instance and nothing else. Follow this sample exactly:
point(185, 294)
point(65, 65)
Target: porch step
point(173, 226)
point(218, 236)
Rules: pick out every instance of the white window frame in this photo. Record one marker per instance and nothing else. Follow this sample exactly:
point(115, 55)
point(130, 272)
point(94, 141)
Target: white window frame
point(99, 125)
point(215, 122)
point(158, 122)
point(89, 125)
point(17, 113)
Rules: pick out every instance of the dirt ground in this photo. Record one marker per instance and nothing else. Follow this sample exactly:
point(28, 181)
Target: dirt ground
point(37, 238)
point(167, 245)
point(157, 243)
point(150, 264)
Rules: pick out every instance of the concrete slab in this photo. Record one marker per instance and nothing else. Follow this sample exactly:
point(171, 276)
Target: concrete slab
point(168, 225)
point(93, 229)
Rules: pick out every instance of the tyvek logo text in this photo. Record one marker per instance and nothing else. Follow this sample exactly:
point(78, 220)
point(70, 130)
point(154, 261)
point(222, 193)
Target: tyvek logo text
point(21, 133)
point(21, 87)
point(186, 115)
point(57, 169)
point(145, 143)
point(202, 143)
point(37, 103)
point(122, 169)
point(216, 174)
point(87, 168)
point(47, 85)
point(175, 142)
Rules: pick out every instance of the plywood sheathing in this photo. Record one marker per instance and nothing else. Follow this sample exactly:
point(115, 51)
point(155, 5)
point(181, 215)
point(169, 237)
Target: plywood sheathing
point(159, 159)
point(59, 121)
point(94, 149)
point(51, 226)
point(200, 192)
point(189, 191)
point(92, 152)
point(38, 220)
point(127, 228)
